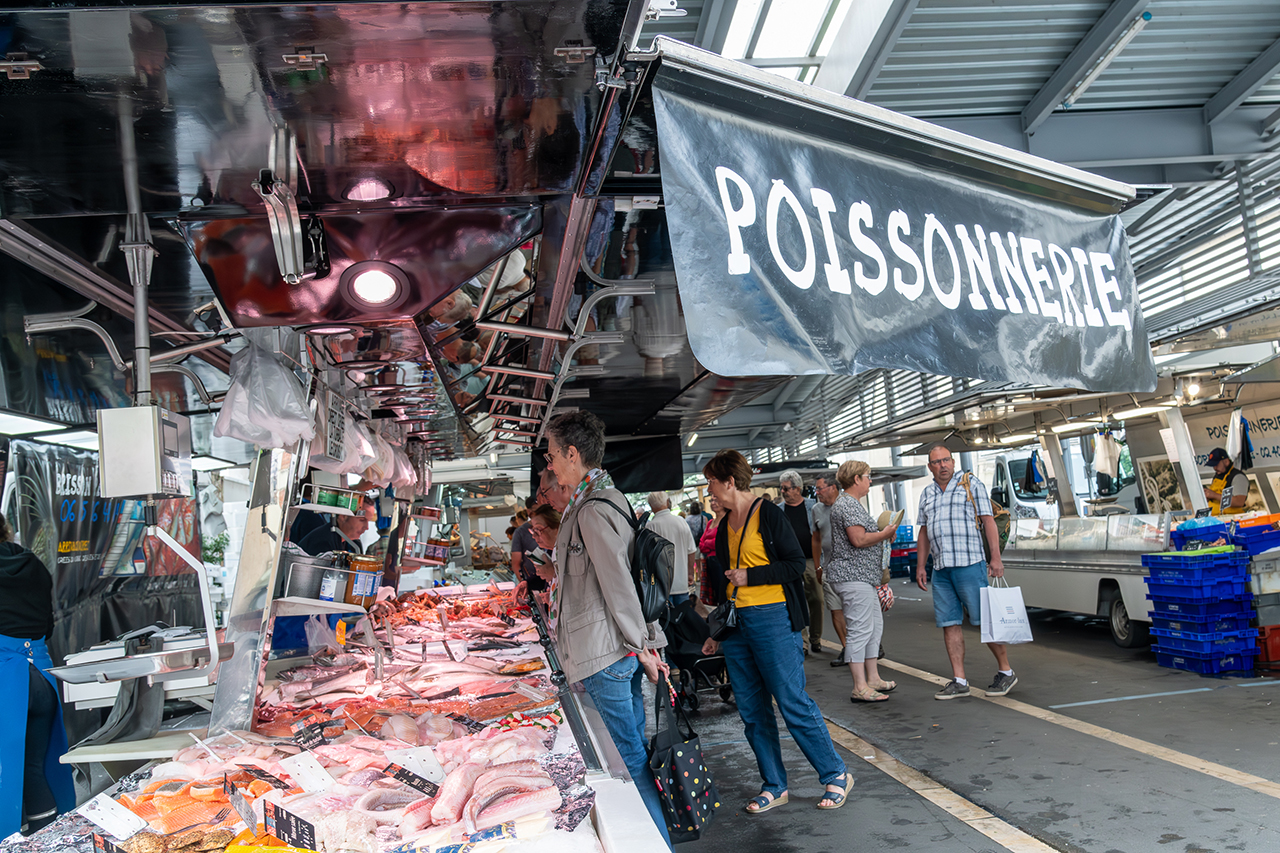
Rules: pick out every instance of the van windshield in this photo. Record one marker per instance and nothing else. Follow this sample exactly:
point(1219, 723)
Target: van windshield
point(1018, 470)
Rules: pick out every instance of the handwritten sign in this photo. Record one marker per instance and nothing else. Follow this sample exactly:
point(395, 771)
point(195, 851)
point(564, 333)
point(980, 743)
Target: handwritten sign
point(413, 780)
point(259, 773)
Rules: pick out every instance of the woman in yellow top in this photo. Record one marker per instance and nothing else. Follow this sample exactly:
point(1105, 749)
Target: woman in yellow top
point(763, 571)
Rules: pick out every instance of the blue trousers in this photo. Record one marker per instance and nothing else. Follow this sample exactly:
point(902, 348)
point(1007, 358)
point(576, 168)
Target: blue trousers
point(617, 691)
point(765, 659)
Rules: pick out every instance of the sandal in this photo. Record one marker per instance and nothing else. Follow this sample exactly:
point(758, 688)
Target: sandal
point(886, 686)
point(765, 801)
point(867, 695)
point(835, 799)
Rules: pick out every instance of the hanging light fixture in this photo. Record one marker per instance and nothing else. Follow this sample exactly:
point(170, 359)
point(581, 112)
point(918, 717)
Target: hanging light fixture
point(375, 284)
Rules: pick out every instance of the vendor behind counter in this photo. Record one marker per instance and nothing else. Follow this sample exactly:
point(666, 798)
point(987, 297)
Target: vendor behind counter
point(34, 787)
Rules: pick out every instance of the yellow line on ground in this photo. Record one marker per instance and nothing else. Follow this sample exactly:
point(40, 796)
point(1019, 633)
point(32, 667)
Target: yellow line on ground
point(1004, 834)
point(1218, 771)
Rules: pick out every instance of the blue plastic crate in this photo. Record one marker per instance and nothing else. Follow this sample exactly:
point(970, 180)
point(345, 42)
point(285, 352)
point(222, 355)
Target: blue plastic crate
point(1183, 606)
point(1203, 624)
point(1196, 590)
point(906, 534)
point(1169, 559)
point(1175, 574)
point(1208, 533)
point(1223, 642)
point(1256, 539)
point(1209, 664)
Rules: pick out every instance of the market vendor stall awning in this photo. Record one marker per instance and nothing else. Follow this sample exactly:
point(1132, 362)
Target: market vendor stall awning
point(817, 234)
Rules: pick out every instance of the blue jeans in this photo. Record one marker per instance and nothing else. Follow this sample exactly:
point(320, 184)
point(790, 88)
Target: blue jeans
point(766, 662)
point(617, 693)
point(678, 598)
point(955, 590)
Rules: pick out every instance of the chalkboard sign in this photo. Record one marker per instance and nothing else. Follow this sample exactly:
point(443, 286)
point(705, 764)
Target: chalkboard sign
point(238, 802)
point(413, 780)
point(1204, 513)
point(289, 828)
point(105, 845)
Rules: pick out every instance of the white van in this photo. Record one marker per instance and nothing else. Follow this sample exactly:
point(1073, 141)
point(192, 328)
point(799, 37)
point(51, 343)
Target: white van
point(1004, 475)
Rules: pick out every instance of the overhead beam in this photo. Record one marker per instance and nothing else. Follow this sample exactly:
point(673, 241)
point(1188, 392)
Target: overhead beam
point(864, 41)
point(1154, 146)
point(1101, 36)
point(713, 25)
point(1243, 85)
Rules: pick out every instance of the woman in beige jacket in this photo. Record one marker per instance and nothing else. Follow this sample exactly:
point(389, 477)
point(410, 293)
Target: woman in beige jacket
point(600, 631)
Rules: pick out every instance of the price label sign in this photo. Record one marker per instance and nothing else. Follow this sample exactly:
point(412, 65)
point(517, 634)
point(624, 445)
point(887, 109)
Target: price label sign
point(289, 828)
point(413, 780)
point(259, 773)
point(341, 631)
point(309, 775)
point(112, 817)
point(310, 736)
point(105, 845)
point(471, 725)
point(239, 802)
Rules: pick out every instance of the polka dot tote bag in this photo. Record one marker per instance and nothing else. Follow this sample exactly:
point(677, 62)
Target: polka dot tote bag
point(689, 796)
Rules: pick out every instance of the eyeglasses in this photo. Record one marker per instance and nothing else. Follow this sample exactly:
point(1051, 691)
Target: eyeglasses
point(538, 529)
point(946, 460)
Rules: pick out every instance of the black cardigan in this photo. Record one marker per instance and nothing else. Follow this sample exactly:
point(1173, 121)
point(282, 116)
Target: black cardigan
point(786, 562)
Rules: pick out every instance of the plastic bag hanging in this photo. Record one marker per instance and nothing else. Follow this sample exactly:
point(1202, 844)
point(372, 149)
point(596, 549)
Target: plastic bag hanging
point(1246, 446)
point(1106, 457)
point(266, 405)
point(1234, 433)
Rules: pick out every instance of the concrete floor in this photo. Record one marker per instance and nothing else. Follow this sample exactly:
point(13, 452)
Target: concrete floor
point(1189, 783)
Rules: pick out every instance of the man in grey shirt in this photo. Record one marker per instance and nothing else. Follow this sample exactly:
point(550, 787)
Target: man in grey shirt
point(827, 491)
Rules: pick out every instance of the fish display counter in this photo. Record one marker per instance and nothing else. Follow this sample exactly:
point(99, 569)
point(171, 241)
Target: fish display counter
point(437, 726)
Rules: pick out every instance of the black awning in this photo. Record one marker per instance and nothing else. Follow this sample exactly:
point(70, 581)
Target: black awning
point(817, 234)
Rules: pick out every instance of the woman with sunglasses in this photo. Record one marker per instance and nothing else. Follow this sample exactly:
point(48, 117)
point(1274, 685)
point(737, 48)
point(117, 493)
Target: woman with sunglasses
point(763, 571)
point(601, 635)
point(857, 561)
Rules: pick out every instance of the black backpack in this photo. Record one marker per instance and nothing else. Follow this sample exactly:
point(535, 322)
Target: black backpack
point(652, 565)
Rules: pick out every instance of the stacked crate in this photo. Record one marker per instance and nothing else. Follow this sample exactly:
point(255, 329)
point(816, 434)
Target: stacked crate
point(1201, 611)
point(1264, 583)
point(902, 557)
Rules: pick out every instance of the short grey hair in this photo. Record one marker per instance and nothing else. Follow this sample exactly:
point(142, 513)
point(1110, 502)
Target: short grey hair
point(791, 477)
point(583, 430)
point(461, 309)
point(659, 501)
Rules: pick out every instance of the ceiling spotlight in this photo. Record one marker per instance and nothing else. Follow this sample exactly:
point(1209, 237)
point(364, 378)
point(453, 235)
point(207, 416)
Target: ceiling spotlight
point(370, 189)
point(692, 438)
point(375, 284)
point(1193, 389)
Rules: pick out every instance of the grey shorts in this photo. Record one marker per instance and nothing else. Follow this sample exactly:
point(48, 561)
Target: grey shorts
point(831, 598)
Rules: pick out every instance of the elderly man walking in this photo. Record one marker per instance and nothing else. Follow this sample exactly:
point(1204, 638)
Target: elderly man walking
point(676, 531)
point(955, 512)
point(799, 510)
point(828, 491)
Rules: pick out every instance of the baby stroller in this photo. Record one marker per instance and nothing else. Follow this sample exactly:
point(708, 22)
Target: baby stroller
point(686, 632)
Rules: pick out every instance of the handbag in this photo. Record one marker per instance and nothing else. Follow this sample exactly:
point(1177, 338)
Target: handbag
point(1004, 616)
point(1000, 516)
point(886, 596)
point(724, 618)
point(685, 787)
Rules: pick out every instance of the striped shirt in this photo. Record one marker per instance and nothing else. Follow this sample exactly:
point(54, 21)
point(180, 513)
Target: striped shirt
point(951, 526)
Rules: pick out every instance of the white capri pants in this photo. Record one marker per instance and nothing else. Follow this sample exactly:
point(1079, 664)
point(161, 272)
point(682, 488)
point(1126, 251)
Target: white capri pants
point(863, 619)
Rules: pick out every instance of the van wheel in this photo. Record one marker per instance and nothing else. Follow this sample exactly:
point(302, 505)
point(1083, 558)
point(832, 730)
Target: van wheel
point(1126, 633)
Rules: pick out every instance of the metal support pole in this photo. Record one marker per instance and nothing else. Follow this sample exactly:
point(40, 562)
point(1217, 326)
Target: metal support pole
point(139, 254)
point(1052, 447)
point(1248, 218)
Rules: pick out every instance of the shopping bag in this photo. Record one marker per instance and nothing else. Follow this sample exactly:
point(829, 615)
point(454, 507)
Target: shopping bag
point(1004, 616)
point(688, 794)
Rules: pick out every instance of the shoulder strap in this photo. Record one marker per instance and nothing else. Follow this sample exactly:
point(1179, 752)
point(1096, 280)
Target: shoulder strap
point(964, 481)
point(743, 536)
point(629, 516)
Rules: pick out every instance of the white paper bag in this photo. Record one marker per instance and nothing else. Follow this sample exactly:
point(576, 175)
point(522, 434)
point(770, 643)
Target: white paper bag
point(1004, 617)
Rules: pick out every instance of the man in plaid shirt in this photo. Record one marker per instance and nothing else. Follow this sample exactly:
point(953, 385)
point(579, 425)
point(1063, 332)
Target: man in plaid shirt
point(948, 521)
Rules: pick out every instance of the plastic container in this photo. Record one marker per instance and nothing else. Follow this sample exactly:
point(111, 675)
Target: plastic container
point(1226, 571)
point(1199, 590)
point(1203, 624)
point(1223, 642)
point(1269, 609)
point(1183, 606)
point(331, 583)
point(1207, 533)
point(1209, 664)
point(1196, 561)
point(1256, 539)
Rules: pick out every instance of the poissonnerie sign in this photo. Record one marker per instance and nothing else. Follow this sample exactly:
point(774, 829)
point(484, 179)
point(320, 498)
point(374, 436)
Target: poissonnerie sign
point(798, 249)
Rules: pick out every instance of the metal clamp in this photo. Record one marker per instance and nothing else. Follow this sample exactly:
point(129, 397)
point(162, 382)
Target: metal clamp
point(663, 9)
point(575, 52)
point(16, 66)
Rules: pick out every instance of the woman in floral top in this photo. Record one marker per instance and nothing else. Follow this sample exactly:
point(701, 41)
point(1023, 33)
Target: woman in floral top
point(854, 571)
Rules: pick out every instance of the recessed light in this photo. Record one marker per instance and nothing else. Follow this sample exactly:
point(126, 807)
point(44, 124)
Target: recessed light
point(330, 329)
point(375, 284)
point(370, 189)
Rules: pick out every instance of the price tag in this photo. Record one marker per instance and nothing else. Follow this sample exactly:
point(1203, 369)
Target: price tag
point(259, 773)
point(413, 780)
point(105, 845)
point(289, 828)
point(112, 817)
point(342, 632)
point(455, 649)
point(309, 737)
point(528, 692)
point(507, 619)
point(471, 725)
point(307, 773)
point(421, 760)
point(1204, 513)
point(239, 803)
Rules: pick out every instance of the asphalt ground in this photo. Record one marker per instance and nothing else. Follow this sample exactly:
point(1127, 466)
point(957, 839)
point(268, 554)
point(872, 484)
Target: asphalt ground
point(1096, 749)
